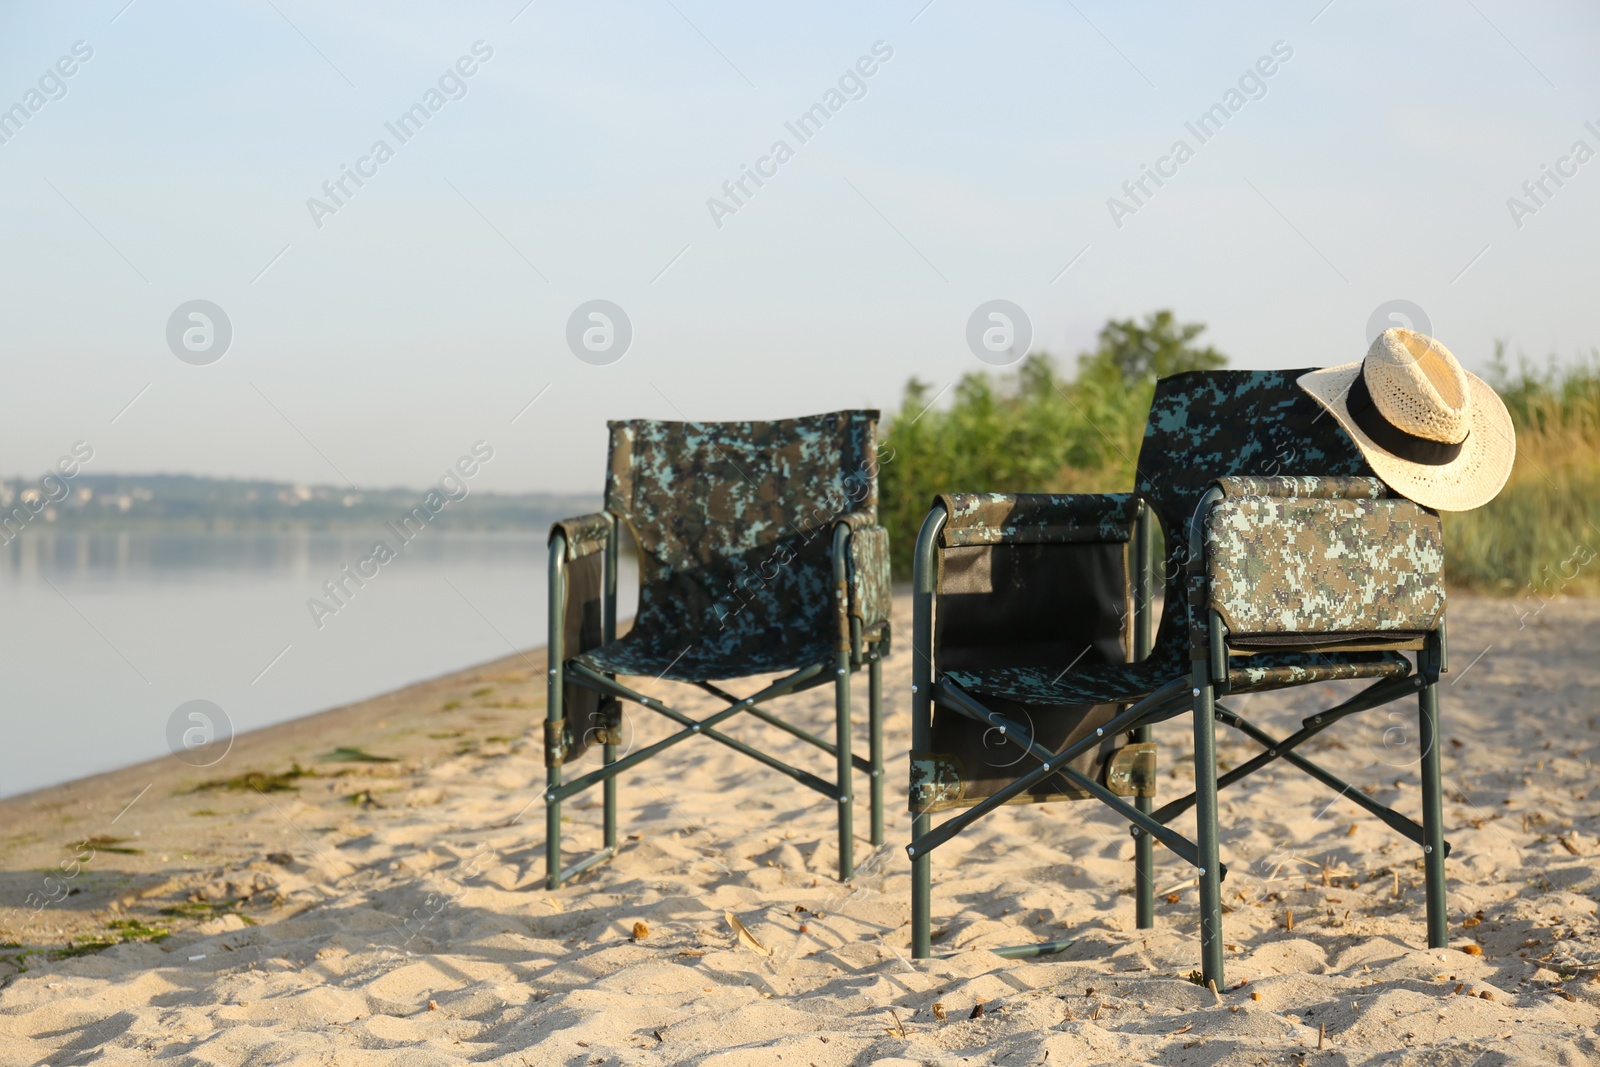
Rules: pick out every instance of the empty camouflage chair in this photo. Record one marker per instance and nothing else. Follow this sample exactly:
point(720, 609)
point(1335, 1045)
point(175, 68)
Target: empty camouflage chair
point(759, 553)
point(1287, 563)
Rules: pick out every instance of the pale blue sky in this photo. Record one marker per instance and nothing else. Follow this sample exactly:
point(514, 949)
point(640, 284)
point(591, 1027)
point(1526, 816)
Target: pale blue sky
point(976, 166)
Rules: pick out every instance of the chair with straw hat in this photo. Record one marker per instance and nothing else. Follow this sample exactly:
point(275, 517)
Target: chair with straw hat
point(1286, 563)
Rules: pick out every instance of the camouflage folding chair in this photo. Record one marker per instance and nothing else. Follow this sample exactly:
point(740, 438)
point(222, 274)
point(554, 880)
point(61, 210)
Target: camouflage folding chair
point(759, 553)
point(1287, 564)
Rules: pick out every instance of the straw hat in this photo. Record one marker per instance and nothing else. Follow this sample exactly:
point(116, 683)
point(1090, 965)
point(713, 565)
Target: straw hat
point(1429, 429)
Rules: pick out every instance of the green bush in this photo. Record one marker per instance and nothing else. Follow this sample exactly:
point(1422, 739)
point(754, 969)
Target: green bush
point(1541, 535)
point(1033, 431)
point(1036, 431)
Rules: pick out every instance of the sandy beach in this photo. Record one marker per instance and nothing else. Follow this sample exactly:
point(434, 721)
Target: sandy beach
point(364, 886)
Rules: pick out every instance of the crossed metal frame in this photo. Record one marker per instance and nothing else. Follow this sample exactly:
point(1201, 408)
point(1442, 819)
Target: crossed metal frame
point(853, 649)
point(1208, 679)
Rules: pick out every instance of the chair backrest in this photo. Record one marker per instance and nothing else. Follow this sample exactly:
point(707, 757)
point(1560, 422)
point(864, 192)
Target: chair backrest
point(1206, 425)
point(733, 519)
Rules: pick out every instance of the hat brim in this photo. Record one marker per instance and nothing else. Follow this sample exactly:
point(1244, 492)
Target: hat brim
point(1470, 480)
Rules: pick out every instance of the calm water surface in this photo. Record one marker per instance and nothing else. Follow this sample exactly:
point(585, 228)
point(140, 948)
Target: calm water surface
point(105, 635)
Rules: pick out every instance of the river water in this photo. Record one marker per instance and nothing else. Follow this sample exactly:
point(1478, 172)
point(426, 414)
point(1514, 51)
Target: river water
point(104, 636)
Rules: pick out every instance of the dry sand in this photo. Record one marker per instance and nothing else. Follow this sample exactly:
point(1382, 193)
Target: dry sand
point(394, 912)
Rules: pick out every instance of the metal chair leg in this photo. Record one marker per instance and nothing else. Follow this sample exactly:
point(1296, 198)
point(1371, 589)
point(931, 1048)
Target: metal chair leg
point(921, 894)
point(555, 709)
point(608, 633)
point(922, 650)
point(841, 692)
point(1432, 815)
point(552, 836)
point(1144, 859)
point(1144, 846)
point(609, 756)
point(1205, 771)
point(875, 717)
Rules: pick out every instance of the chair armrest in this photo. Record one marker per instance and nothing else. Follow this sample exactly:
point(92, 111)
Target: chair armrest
point(584, 534)
point(856, 519)
point(1305, 487)
point(1036, 518)
point(870, 592)
point(578, 612)
point(1332, 560)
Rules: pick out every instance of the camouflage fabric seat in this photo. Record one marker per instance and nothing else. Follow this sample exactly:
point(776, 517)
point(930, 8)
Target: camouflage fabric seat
point(759, 553)
point(1097, 683)
point(1036, 674)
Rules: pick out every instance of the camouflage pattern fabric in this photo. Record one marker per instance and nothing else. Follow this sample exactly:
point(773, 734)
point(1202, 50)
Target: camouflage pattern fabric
point(1036, 518)
point(1306, 488)
point(937, 781)
point(870, 593)
point(1279, 670)
point(584, 534)
point(1205, 426)
point(1037, 686)
point(1208, 425)
point(1285, 565)
point(733, 523)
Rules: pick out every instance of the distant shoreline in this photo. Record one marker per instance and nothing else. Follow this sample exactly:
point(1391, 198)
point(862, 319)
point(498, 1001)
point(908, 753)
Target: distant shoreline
point(100, 503)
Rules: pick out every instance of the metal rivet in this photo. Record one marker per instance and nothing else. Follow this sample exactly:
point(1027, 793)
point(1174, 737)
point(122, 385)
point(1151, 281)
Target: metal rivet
point(549, 796)
point(844, 800)
point(910, 851)
point(1427, 848)
point(1099, 732)
point(914, 689)
point(1196, 692)
point(877, 774)
point(695, 728)
point(1202, 872)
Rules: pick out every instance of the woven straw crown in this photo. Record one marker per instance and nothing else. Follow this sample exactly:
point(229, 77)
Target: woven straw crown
point(1418, 386)
point(1428, 428)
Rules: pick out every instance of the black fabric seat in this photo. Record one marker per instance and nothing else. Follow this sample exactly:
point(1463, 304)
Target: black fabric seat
point(1123, 684)
point(649, 655)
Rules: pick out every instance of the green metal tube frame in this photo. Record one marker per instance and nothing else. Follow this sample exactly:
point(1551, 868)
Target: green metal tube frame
point(1202, 628)
point(952, 696)
point(555, 702)
point(1143, 642)
point(1210, 661)
point(1379, 693)
point(854, 649)
point(923, 570)
point(1209, 676)
point(859, 762)
point(592, 679)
